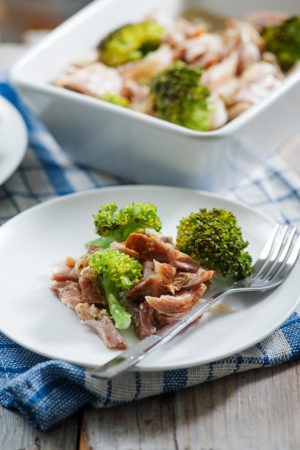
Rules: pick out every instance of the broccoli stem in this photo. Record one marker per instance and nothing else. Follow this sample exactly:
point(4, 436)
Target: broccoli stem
point(120, 316)
point(102, 241)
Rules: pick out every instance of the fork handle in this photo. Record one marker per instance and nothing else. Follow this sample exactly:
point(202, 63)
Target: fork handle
point(139, 351)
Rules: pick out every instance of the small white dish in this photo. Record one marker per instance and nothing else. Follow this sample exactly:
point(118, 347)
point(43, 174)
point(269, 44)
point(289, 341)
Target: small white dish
point(30, 314)
point(13, 139)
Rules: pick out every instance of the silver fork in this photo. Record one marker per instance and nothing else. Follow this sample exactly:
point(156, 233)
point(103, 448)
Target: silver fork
point(274, 264)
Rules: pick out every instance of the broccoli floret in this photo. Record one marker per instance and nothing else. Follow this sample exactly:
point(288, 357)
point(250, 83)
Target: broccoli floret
point(116, 225)
point(214, 239)
point(130, 42)
point(116, 99)
point(119, 272)
point(284, 41)
point(178, 97)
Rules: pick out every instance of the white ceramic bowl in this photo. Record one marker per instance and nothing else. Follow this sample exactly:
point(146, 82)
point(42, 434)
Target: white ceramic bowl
point(139, 147)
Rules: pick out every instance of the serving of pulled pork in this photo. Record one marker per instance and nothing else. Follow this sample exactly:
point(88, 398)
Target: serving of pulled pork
point(171, 284)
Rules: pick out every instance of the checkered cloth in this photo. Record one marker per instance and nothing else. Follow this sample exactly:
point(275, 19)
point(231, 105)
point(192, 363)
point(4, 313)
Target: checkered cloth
point(47, 391)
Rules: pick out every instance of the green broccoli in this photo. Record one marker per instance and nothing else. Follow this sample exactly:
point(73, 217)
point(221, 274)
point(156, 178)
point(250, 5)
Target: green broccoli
point(130, 42)
point(214, 239)
point(284, 41)
point(178, 97)
point(116, 225)
point(119, 272)
point(116, 99)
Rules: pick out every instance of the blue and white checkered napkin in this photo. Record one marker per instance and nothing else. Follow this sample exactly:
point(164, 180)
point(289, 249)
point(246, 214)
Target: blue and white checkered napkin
point(47, 391)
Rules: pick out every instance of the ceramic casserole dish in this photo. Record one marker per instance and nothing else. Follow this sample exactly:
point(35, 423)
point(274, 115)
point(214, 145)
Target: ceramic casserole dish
point(139, 147)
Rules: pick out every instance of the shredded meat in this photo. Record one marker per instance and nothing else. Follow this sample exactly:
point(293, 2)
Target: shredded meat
point(162, 320)
point(65, 276)
point(171, 284)
point(145, 326)
point(101, 324)
point(105, 329)
point(164, 272)
point(122, 248)
point(149, 66)
point(155, 284)
point(68, 293)
point(187, 281)
point(153, 248)
point(89, 288)
point(95, 79)
point(148, 269)
point(183, 261)
point(176, 305)
point(149, 248)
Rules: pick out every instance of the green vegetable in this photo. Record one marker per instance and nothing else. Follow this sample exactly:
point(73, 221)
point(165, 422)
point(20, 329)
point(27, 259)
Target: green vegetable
point(116, 225)
point(119, 272)
point(179, 98)
point(115, 99)
point(284, 41)
point(130, 42)
point(214, 239)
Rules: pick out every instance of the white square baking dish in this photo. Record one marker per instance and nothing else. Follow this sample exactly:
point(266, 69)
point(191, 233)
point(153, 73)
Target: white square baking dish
point(139, 147)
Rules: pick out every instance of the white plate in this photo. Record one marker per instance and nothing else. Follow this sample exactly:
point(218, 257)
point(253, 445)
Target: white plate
point(32, 316)
point(13, 139)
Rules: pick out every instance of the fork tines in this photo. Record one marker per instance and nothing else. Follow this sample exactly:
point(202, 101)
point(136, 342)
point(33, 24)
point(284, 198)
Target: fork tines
point(279, 254)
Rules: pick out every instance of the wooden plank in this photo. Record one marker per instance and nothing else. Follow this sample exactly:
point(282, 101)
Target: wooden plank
point(17, 434)
point(253, 410)
point(143, 425)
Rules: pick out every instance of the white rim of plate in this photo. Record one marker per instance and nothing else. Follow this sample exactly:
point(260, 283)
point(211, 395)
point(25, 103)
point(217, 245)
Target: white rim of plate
point(129, 188)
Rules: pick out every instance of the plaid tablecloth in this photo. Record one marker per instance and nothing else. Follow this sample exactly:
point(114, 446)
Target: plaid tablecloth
point(47, 391)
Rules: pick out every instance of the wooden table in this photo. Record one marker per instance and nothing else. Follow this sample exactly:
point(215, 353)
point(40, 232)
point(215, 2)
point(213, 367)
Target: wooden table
point(255, 410)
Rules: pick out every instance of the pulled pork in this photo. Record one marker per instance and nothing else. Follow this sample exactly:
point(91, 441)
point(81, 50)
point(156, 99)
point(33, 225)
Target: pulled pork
point(172, 283)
